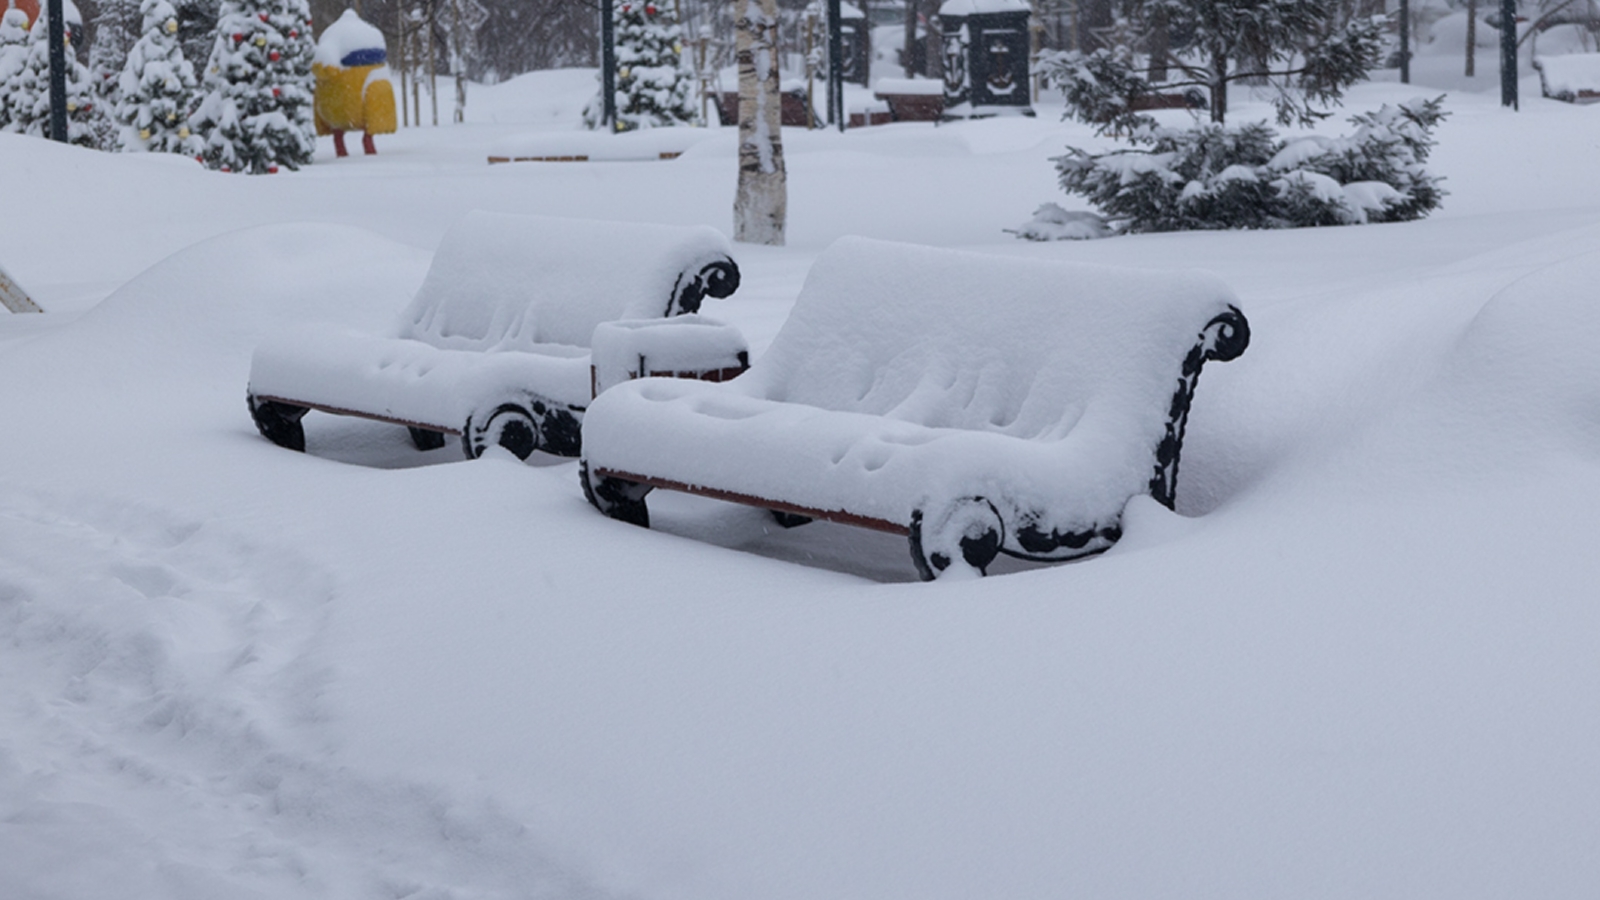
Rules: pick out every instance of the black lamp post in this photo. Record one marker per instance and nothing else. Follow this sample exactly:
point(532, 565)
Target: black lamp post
point(608, 65)
point(56, 34)
point(1405, 41)
point(1508, 53)
point(836, 113)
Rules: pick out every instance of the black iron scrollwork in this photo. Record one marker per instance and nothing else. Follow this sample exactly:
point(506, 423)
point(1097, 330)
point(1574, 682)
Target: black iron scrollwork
point(1224, 337)
point(715, 279)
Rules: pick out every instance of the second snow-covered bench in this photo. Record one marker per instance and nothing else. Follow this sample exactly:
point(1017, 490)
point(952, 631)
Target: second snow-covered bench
point(977, 404)
point(495, 348)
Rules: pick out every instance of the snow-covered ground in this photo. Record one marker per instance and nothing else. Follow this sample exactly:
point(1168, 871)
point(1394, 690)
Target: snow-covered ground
point(1363, 662)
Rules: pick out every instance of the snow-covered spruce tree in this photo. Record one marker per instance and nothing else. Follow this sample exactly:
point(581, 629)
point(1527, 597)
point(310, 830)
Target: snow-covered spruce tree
point(1218, 176)
point(654, 87)
point(256, 112)
point(1298, 48)
point(157, 87)
point(28, 94)
point(13, 56)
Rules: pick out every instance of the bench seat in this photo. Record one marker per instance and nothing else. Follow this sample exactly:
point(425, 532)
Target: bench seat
point(978, 404)
point(495, 347)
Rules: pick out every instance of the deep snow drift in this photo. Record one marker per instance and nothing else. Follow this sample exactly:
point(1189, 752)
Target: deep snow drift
point(1360, 663)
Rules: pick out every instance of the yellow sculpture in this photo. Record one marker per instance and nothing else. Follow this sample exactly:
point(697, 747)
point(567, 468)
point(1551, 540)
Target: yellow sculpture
point(353, 90)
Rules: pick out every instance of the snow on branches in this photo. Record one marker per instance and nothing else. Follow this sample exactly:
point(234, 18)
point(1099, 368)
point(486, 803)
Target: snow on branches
point(1296, 48)
point(1216, 176)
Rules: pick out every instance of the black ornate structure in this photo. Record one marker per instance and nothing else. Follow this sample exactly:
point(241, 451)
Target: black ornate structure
point(855, 45)
point(522, 422)
point(973, 529)
point(986, 57)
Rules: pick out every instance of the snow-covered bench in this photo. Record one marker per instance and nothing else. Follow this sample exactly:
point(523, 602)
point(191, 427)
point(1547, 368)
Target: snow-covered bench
point(495, 346)
point(977, 404)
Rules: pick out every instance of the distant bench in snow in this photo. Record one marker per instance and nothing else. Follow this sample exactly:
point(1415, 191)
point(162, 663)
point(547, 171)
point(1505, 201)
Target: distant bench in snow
point(495, 348)
point(977, 404)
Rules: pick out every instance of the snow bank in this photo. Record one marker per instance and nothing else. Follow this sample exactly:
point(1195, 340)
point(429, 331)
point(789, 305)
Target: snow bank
point(638, 145)
point(907, 373)
point(979, 7)
point(927, 87)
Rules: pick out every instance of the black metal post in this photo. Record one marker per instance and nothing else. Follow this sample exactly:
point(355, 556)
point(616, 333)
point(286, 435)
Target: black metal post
point(836, 111)
point(608, 65)
point(56, 34)
point(1508, 53)
point(1405, 41)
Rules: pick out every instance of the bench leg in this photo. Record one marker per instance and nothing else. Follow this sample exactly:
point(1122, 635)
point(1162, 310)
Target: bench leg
point(963, 538)
point(508, 425)
point(618, 499)
point(279, 422)
point(426, 439)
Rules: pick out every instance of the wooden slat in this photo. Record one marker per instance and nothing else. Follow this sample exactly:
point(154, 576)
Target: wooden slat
point(340, 411)
point(14, 298)
point(831, 515)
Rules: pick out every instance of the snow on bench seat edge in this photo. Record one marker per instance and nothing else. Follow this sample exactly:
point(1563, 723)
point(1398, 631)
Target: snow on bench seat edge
point(408, 381)
point(908, 376)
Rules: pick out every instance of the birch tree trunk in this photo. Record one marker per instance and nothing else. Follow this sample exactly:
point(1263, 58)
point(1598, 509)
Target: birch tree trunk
point(761, 202)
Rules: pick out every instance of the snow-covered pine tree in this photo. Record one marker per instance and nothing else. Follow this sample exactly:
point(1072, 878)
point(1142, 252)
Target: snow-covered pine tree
point(156, 88)
point(13, 56)
point(256, 114)
point(28, 94)
point(654, 88)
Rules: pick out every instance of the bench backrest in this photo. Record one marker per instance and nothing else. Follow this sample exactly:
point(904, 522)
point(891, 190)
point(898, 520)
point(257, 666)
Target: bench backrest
point(1025, 347)
point(513, 282)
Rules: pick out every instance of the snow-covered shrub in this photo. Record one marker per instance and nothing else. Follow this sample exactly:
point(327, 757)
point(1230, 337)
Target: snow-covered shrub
point(1215, 176)
point(1052, 223)
point(256, 114)
point(654, 87)
point(157, 86)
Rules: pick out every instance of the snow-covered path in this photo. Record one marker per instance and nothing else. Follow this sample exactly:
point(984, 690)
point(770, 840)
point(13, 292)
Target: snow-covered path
point(1361, 664)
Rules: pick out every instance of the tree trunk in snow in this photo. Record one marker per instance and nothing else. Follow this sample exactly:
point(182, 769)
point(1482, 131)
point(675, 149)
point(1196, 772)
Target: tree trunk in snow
point(1160, 45)
point(1219, 87)
point(933, 48)
point(1472, 37)
point(760, 204)
point(910, 42)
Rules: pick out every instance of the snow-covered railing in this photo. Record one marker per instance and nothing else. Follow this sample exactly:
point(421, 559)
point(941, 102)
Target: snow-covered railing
point(495, 347)
point(977, 404)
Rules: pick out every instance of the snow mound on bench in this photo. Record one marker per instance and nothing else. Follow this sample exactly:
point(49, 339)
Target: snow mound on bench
point(963, 340)
point(511, 282)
